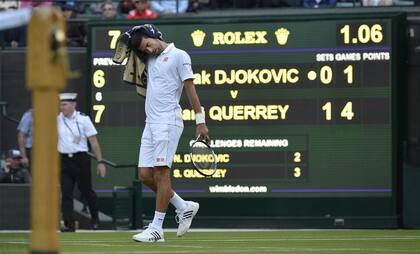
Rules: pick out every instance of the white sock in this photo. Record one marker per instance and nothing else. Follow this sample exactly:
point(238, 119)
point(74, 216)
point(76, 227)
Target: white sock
point(178, 202)
point(158, 220)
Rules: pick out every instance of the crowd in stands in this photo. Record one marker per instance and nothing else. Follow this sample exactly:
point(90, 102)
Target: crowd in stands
point(77, 12)
point(12, 169)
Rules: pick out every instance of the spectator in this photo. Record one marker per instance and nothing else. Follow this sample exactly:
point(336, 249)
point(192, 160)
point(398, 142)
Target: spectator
point(199, 5)
point(319, 3)
point(142, 11)
point(108, 10)
point(75, 130)
point(93, 8)
point(69, 10)
point(15, 37)
point(167, 7)
point(13, 172)
point(125, 6)
point(194, 6)
point(377, 2)
point(25, 137)
point(76, 32)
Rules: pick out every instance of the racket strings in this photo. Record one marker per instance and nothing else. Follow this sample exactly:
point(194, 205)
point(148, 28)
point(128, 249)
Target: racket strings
point(202, 156)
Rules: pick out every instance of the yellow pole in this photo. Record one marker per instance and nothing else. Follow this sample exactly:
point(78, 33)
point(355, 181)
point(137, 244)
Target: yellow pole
point(46, 74)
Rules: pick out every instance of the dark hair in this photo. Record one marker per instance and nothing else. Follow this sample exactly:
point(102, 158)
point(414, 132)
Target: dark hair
point(135, 42)
point(137, 38)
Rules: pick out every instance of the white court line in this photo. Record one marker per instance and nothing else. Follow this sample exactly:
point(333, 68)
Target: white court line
point(14, 242)
point(303, 239)
point(278, 239)
point(253, 250)
point(204, 230)
point(248, 249)
point(171, 230)
point(386, 238)
point(216, 230)
point(164, 244)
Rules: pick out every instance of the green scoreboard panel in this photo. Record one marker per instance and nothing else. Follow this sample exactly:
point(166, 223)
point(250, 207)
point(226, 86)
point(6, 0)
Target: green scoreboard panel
point(297, 107)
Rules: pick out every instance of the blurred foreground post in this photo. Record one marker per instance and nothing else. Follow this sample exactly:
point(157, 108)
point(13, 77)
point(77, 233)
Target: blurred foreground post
point(46, 70)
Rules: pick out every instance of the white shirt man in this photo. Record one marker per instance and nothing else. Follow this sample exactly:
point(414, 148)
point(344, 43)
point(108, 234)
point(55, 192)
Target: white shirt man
point(74, 131)
point(165, 7)
point(166, 74)
point(25, 136)
point(169, 71)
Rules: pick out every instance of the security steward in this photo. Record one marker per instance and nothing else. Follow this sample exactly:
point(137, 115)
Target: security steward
point(74, 131)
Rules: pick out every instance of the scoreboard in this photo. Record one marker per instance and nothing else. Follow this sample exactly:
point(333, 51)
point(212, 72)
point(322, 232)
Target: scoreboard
point(296, 106)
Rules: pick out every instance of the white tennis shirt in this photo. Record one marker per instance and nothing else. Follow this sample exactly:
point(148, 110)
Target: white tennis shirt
point(166, 74)
point(73, 132)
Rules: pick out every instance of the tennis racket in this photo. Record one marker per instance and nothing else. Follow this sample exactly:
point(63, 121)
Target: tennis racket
point(203, 157)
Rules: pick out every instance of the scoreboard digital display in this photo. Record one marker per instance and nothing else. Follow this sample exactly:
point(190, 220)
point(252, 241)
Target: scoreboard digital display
point(296, 107)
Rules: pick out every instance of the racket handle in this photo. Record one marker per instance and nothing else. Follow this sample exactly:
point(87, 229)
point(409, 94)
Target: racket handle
point(204, 138)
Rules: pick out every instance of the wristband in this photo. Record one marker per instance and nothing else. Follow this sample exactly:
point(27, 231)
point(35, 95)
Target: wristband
point(199, 117)
point(101, 161)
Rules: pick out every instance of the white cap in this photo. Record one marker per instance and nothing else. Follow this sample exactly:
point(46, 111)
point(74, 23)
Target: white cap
point(13, 153)
point(68, 96)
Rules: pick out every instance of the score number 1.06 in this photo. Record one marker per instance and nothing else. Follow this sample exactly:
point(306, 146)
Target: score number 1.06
point(362, 34)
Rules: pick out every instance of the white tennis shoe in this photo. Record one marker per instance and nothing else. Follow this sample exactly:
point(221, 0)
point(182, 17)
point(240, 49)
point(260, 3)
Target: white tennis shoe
point(149, 235)
point(185, 217)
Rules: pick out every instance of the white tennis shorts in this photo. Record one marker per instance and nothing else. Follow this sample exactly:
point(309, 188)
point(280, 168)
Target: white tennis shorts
point(158, 144)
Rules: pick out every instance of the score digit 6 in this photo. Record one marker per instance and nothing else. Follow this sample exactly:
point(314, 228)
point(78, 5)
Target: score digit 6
point(98, 81)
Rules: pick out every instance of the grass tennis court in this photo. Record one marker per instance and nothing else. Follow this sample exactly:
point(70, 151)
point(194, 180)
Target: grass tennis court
point(282, 241)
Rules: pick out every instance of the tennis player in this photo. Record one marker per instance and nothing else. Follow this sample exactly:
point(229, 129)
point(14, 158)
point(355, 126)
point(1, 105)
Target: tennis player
point(169, 70)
